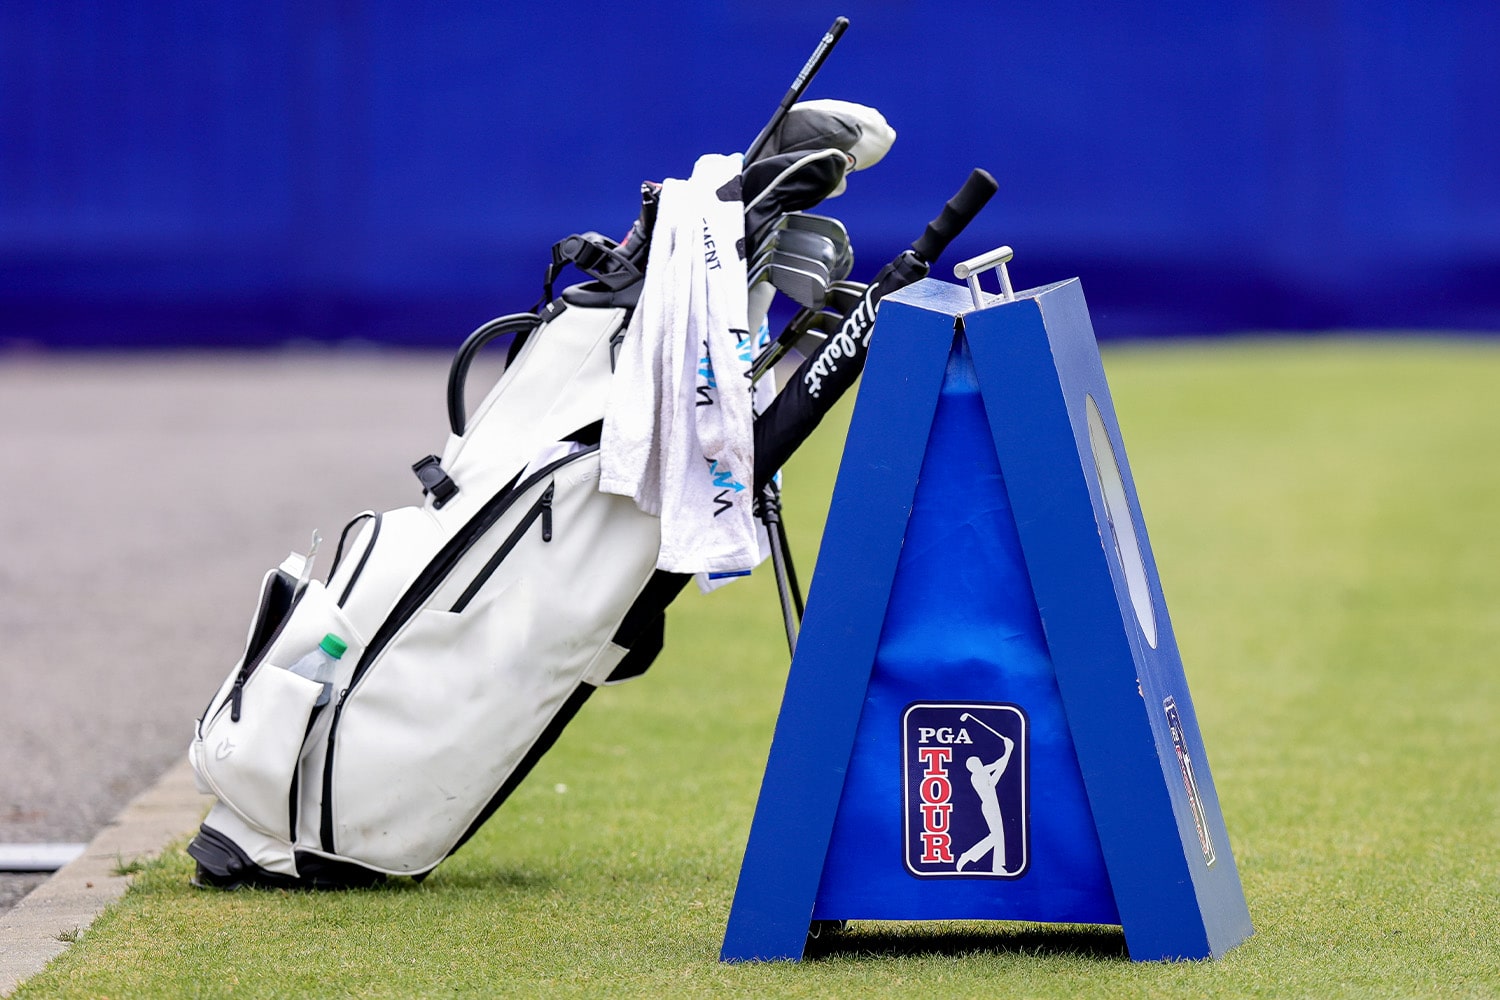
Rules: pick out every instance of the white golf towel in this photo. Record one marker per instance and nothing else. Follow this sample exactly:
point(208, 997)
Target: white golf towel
point(678, 428)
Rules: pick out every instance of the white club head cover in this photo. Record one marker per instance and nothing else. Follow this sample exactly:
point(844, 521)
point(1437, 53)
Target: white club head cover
point(861, 132)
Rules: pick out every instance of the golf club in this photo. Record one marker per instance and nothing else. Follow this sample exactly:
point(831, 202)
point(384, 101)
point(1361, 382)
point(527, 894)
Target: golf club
point(966, 717)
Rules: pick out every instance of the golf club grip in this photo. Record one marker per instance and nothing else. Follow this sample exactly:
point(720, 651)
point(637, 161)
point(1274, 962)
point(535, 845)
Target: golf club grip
point(958, 213)
point(815, 61)
point(799, 85)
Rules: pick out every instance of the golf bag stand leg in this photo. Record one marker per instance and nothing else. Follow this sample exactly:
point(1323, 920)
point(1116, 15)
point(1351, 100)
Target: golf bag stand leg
point(768, 505)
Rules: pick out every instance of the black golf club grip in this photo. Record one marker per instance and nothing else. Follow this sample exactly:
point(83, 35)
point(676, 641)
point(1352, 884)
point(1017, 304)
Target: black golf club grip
point(958, 213)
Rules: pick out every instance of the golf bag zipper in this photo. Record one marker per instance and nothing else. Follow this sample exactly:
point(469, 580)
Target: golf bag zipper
point(541, 509)
point(237, 692)
point(422, 588)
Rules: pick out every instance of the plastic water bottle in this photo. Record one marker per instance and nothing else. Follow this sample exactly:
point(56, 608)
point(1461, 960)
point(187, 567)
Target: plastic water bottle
point(320, 664)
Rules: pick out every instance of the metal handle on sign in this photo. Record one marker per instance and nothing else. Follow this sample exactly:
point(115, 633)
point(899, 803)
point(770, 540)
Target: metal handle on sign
point(970, 270)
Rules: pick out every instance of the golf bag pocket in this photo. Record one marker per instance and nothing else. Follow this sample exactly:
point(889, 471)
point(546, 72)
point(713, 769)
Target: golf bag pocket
point(278, 591)
point(246, 747)
point(249, 763)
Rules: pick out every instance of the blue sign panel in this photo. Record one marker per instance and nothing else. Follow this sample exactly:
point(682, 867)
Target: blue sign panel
point(987, 716)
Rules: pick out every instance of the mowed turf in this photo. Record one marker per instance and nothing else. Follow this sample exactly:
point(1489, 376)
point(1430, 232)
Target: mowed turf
point(1324, 514)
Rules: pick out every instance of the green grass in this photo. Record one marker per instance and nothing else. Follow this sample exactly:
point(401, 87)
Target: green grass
point(1324, 514)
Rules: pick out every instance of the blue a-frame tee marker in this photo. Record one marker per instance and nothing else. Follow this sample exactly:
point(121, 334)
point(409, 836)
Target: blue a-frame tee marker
point(1149, 847)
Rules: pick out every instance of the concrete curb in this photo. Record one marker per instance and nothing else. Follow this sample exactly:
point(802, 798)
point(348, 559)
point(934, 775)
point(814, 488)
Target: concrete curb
point(68, 902)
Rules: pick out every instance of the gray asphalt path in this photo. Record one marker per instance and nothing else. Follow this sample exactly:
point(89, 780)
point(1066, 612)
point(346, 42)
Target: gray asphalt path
point(141, 500)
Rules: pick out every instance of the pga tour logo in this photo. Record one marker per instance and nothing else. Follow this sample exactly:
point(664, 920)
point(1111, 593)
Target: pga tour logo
point(964, 768)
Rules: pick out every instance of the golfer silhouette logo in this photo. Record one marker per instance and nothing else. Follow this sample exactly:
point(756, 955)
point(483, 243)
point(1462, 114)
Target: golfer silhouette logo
point(984, 777)
point(965, 790)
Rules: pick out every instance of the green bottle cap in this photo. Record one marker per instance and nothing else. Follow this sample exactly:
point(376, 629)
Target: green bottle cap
point(333, 645)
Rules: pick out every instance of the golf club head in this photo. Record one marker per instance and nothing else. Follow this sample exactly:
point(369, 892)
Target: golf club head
point(812, 326)
point(829, 228)
point(807, 288)
point(779, 233)
point(807, 221)
point(843, 265)
point(788, 262)
point(815, 266)
point(824, 225)
point(818, 240)
point(810, 246)
point(809, 253)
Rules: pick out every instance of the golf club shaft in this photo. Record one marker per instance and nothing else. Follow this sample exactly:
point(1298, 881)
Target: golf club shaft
point(843, 296)
point(986, 725)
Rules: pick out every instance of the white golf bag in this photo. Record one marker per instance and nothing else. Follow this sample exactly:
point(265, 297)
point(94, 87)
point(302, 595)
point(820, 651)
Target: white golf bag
point(476, 625)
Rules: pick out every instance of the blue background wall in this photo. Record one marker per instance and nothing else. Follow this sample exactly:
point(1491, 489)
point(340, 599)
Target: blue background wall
point(175, 172)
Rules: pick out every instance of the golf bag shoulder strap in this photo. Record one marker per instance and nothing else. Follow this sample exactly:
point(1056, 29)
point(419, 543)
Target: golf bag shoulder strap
point(594, 295)
point(600, 257)
point(615, 267)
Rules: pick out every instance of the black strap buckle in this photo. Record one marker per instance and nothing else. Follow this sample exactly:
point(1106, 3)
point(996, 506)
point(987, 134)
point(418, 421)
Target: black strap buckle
point(435, 481)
